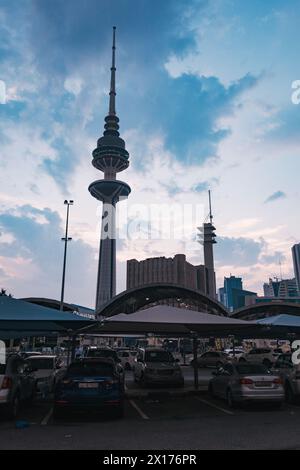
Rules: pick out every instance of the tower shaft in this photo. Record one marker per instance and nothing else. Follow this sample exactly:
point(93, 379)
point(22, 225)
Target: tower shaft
point(110, 157)
point(106, 279)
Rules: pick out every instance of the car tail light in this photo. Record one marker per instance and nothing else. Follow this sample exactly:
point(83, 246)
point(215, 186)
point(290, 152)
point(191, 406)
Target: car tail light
point(110, 383)
point(67, 381)
point(278, 381)
point(246, 381)
point(6, 383)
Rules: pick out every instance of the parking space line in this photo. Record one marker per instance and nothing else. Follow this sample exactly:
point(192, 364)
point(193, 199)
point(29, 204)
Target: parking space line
point(138, 409)
point(46, 418)
point(214, 406)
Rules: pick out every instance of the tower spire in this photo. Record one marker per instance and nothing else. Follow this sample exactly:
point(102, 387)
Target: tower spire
point(112, 93)
point(210, 211)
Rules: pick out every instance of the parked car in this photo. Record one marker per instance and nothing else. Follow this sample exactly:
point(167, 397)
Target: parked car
point(264, 356)
point(106, 353)
point(45, 370)
point(26, 354)
point(127, 358)
point(156, 366)
point(247, 382)
point(16, 385)
point(90, 384)
point(290, 374)
point(211, 359)
point(236, 352)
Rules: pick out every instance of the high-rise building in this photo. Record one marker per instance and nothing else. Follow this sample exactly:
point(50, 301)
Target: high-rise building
point(233, 296)
point(288, 288)
point(110, 157)
point(296, 263)
point(165, 270)
point(271, 288)
point(280, 288)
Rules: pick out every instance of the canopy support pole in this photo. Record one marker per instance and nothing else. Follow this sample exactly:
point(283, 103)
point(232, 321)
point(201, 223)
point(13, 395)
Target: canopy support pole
point(195, 361)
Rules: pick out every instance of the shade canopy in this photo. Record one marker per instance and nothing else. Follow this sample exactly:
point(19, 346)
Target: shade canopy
point(17, 318)
point(281, 320)
point(166, 320)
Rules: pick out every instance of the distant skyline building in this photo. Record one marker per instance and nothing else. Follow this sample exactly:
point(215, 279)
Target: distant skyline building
point(288, 288)
point(110, 157)
point(233, 296)
point(296, 263)
point(284, 288)
point(271, 288)
point(175, 270)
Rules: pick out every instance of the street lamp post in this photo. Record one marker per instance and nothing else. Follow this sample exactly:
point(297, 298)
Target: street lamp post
point(66, 239)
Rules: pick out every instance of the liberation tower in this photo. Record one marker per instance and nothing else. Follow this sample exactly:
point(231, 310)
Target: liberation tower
point(110, 157)
point(207, 239)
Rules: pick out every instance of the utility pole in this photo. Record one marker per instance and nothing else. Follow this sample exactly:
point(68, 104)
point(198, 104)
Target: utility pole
point(66, 239)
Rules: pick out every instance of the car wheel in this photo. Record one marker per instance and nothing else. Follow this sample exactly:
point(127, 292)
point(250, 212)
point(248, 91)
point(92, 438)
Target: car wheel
point(181, 384)
point(289, 395)
point(277, 406)
point(142, 381)
point(58, 414)
point(211, 390)
point(119, 412)
point(267, 363)
point(14, 407)
point(229, 398)
point(32, 396)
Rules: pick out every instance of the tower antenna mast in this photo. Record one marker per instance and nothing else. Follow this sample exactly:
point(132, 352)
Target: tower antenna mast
point(210, 211)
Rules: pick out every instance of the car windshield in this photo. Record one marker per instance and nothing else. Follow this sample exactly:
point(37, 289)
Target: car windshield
point(158, 356)
point(103, 353)
point(87, 369)
point(253, 369)
point(41, 363)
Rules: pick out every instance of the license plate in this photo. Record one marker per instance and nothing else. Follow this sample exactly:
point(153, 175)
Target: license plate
point(165, 372)
point(262, 384)
point(88, 385)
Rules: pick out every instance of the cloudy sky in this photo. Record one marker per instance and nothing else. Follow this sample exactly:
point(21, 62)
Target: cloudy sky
point(204, 99)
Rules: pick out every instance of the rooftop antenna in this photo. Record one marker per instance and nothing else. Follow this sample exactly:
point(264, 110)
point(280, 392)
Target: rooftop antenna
point(280, 268)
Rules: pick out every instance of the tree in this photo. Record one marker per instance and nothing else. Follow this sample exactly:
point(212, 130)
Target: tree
point(3, 292)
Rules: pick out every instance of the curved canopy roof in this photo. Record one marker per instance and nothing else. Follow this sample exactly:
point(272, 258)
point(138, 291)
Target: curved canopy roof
point(20, 316)
point(267, 309)
point(131, 300)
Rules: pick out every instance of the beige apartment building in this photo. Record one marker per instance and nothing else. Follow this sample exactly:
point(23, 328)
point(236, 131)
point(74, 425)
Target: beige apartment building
point(166, 270)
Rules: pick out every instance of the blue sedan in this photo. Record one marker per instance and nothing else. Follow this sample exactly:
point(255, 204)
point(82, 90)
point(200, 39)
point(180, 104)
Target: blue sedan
point(90, 384)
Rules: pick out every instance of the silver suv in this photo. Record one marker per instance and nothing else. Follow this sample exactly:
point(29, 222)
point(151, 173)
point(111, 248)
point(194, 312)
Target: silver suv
point(156, 366)
point(17, 385)
point(263, 356)
point(290, 374)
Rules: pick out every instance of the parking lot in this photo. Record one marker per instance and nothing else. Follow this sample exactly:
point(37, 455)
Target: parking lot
point(156, 419)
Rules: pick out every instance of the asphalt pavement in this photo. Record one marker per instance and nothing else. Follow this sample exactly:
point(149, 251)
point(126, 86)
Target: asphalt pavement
point(163, 422)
